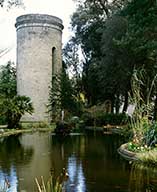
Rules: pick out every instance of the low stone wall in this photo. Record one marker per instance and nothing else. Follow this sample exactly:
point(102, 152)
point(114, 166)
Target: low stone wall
point(129, 155)
point(106, 129)
point(6, 133)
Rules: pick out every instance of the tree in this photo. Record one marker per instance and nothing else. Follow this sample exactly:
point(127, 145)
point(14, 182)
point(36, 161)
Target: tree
point(73, 67)
point(62, 96)
point(13, 109)
point(12, 106)
point(140, 40)
point(115, 43)
point(96, 30)
point(8, 80)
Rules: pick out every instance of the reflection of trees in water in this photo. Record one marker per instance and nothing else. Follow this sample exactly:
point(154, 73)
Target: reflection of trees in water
point(12, 152)
point(143, 178)
point(62, 148)
point(69, 153)
point(89, 160)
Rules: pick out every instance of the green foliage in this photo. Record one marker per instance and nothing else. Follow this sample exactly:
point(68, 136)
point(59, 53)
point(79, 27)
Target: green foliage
point(53, 184)
point(134, 147)
point(62, 96)
point(150, 136)
point(102, 119)
point(50, 186)
point(148, 157)
point(8, 80)
point(2, 120)
point(13, 109)
point(63, 128)
point(115, 38)
point(140, 121)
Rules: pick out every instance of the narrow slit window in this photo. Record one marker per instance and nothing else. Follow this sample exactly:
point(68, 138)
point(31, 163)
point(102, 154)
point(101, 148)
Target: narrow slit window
point(53, 59)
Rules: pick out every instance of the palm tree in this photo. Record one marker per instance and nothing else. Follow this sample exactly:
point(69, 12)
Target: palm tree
point(13, 109)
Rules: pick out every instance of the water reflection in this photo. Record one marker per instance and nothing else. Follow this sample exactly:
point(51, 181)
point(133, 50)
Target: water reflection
point(11, 177)
point(76, 180)
point(12, 155)
point(143, 178)
point(92, 163)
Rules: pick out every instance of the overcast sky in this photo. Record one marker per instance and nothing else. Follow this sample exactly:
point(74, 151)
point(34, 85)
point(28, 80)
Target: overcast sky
point(60, 8)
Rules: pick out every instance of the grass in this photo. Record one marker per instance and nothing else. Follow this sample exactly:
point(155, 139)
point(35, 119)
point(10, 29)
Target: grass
point(149, 157)
point(49, 186)
point(52, 185)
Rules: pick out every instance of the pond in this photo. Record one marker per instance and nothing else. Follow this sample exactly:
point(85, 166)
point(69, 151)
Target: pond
point(91, 161)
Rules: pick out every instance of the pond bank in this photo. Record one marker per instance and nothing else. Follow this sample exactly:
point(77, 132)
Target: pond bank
point(109, 129)
point(5, 132)
point(124, 152)
point(146, 157)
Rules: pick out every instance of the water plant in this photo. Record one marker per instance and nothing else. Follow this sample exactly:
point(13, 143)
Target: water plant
point(49, 186)
point(141, 121)
point(52, 185)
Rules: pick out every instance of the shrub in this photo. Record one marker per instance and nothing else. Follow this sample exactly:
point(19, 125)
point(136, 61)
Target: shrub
point(100, 119)
point(150, 136)
point(87, 118)
point(111, 118)
point(13, 109)
point(2, 120)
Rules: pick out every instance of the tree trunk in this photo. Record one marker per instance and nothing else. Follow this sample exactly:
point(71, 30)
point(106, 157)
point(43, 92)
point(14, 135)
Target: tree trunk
point(117, 104)
point(125, 103)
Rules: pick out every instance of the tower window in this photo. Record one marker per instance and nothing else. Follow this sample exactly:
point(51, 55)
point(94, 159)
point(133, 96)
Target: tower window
point(53, 59)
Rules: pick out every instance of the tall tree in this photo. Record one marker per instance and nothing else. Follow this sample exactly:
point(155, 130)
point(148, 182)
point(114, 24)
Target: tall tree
point(62, 96)
point(8, 80)
point(140, 40)
point(12, 106)
point(114, 42)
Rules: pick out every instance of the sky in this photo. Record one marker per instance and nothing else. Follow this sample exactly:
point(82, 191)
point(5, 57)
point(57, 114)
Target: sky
point(8, 18)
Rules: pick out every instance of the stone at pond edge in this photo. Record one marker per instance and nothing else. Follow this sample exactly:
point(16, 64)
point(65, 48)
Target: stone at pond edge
point(128, 155)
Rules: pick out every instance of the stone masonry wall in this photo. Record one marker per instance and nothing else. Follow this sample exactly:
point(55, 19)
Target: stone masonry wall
point(37, 35)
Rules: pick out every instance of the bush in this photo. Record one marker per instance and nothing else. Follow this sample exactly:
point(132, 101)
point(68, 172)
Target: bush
point(2, 120)
point(87, 118)
point(150, 136)
point(13, 109)
point(100, 119)
point(62, 128)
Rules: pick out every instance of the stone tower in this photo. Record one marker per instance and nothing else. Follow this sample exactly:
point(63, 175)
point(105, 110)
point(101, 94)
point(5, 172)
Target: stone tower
point(39, 47)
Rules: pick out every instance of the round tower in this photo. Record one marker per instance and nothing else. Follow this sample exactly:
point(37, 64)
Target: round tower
point(39, 48)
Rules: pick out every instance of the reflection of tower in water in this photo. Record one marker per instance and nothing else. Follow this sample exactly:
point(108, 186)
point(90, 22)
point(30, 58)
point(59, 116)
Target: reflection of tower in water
point(12, 152)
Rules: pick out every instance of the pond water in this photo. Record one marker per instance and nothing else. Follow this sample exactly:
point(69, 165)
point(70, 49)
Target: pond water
point(92, 163)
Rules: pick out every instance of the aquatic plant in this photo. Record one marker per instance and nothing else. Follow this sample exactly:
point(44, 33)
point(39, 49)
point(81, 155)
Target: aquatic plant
point(49, 186)
point(149, 158)
point(52, 185)
point(140, 122)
